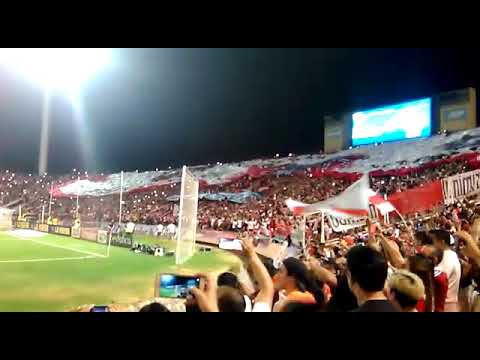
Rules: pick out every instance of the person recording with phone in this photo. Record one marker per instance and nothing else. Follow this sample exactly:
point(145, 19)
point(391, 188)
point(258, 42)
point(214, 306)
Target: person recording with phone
point(212, 298)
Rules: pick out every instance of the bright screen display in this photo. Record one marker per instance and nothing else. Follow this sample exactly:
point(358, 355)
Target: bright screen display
point(407, 120)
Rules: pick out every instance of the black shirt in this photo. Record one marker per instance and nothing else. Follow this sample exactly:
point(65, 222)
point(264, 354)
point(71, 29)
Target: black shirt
point(342, 298)
point(377, 306)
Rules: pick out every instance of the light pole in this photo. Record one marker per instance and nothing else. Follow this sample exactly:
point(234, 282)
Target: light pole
point(44, 134)
point(63, 70)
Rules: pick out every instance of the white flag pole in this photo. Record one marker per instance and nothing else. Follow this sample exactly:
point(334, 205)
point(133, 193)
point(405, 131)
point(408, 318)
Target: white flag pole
point(304, 230)
point(50, 202)
point(322, 236)
point(43, 214)
point(78, 194)
point(406, 226)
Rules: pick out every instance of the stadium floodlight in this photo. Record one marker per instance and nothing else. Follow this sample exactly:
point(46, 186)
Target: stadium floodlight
point(55, 70)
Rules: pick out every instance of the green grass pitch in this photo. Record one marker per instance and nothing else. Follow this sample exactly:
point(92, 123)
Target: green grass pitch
point(57, 273)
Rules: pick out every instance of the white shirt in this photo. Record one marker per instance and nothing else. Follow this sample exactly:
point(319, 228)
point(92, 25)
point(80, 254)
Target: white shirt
point(450, 265)
point(261, 307)
point(159, 228)
point(172, 228)
point(130, 227)
point(396, 233)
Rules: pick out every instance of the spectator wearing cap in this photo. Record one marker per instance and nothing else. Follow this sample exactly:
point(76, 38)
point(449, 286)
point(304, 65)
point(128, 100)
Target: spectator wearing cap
point(404, 290)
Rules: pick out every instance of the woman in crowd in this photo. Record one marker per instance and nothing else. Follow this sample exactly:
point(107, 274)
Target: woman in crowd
point(296, 284)
point(423, 267)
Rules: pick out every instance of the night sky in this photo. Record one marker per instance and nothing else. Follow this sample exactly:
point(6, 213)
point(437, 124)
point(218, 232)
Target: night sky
point(154, 108)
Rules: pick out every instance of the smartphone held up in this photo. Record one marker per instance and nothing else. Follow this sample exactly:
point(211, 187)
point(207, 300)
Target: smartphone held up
point(175, 286)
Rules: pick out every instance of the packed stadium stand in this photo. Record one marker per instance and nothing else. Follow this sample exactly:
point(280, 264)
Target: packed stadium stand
point(249, 195)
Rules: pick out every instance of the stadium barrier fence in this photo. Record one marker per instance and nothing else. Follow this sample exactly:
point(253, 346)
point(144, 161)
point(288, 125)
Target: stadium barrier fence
point(91, 234)
point(42, 227)
point(21, 224)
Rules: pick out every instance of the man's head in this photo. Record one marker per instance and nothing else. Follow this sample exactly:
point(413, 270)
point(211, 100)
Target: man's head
point(404, 289)
point(367, 271)
point(228, 279)
point(422, 238)
point(154, 307)
point(230, 299)
point(440, 238)
point(292, 275)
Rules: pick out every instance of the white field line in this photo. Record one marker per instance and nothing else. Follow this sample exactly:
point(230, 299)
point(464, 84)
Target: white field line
point(62, 247)
point(66, 248)
point(49, 259)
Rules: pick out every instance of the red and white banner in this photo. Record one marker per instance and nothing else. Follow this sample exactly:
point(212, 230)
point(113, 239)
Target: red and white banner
point(353, 202)
point(381, 204)
point(421, 198)
point(460, 186)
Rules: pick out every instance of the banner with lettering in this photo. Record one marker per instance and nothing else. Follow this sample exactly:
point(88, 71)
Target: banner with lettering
point(341, 224)
point(460, 186)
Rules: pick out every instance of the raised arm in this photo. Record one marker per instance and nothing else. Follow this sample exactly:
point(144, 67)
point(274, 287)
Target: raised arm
point(475, 230)
point(321, 273)
point(260, 272)
point(371, 240)
point(391, 250)
point(471, 249)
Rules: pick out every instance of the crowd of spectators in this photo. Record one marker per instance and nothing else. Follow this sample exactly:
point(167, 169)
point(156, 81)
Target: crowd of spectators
point(430, 263)
point(267, 215)
point(434, 267)
point(392, 184)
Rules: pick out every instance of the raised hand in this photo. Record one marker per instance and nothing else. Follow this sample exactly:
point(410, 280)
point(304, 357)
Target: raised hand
point(206, 295)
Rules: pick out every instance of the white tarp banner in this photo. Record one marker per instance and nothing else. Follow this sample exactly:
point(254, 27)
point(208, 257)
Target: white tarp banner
point(460, 186)
point(341, 224)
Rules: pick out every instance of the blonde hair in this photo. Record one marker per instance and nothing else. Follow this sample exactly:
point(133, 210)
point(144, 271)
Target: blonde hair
point(408, 284)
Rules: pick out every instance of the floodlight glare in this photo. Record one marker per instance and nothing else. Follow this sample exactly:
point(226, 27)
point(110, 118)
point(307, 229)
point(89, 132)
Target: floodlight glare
point(64, 70)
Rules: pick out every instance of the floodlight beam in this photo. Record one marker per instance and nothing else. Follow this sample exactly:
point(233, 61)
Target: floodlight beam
point(64, 70)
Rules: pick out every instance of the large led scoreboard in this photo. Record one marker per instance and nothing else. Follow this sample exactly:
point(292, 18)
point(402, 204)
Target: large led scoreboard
point(452, 111)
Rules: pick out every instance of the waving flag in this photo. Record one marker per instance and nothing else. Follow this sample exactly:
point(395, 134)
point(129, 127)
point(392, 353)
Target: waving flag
point(353, 202)
point(384, 206)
